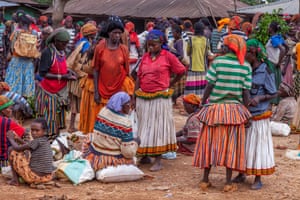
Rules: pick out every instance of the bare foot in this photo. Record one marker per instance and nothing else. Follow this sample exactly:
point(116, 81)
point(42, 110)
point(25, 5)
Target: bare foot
point(156, 167)
point(13, 182)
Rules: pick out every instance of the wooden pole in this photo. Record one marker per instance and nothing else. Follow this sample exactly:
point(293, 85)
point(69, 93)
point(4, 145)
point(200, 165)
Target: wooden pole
point(235, 7)
point(213, 16)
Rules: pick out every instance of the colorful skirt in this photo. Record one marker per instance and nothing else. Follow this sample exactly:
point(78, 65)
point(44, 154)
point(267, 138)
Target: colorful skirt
point(222, 141)
point(156, 127)
point(195, 83)
point(20, 76)
point(89, 109)
point(21, 166)
point(259, 148)
point(53, 109)
point(99, 160)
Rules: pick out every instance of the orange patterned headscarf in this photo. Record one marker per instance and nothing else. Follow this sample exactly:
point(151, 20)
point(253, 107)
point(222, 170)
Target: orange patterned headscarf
point(192, 99)
point(235, 23)
point(238, 45)
point(247, 28)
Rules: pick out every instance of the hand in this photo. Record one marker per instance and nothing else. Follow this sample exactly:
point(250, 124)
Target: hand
point(71, 75)
point(133, 101)
point(137, 140)
point(10, 134)
point(97, 97)
point(254, 101)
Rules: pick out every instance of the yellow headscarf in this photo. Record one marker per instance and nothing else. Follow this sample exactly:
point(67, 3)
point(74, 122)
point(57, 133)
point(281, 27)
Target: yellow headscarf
point(222, 23)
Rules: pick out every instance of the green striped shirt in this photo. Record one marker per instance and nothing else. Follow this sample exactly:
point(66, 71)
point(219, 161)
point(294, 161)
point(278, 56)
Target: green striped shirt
point(229, 78)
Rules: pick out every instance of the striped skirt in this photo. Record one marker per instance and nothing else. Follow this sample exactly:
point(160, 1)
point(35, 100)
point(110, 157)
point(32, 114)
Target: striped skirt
point(295, 126)
point(259, 148)
point(49, 106)
point(156, 127)
point(195, 83)
point(99, 160)
point(222, 141)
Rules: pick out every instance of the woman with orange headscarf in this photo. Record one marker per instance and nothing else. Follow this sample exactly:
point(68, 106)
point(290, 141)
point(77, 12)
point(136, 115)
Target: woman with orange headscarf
point(187, 137)
point(223, 136)
point(80, 62)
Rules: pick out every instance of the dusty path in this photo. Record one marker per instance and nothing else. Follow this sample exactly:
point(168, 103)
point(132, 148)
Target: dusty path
point(178, 180)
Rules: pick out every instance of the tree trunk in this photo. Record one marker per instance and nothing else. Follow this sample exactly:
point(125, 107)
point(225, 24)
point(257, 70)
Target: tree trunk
point(58, 12)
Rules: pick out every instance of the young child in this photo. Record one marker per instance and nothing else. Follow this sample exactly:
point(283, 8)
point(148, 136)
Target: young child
point(38, 168)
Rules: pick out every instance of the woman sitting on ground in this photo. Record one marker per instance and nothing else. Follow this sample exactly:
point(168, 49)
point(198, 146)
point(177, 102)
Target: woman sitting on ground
point(112, 141)
point(285, 110)
point(7, 124)
point(187, 137)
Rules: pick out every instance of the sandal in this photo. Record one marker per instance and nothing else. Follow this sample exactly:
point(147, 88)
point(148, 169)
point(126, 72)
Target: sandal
point(230, 188)
point(205, 185)
point(256, 185)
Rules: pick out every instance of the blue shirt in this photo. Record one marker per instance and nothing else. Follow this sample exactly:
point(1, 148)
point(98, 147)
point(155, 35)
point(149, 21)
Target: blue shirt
point(263, 82)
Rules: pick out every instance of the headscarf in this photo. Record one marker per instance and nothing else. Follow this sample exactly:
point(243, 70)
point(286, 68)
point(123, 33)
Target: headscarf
point(4, 86)
point(238, 45)
point(5, 102)
point(192, 99)
point(295, 18)
point(287, 89)
point(129, 26)
point(261, 50)
point(80, 23)
point(235, 23)
point(247, 28)
point(114, 22)
point(69, 18)
point(150, 26)
point(156, 35)
point(89, 29)
point(222, 23)
point(43, 18)
point(60, 34)
point(116, 102)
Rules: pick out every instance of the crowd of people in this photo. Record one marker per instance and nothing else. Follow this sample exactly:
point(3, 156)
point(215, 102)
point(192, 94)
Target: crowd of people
point(231, 86)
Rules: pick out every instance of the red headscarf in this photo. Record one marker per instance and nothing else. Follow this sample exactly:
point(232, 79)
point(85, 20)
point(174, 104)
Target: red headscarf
point(129, 26)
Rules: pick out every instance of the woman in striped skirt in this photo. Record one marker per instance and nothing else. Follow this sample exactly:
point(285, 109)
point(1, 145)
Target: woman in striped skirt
point(223, 136)
point(51, 92)
point(197, 50)
point(153, 99)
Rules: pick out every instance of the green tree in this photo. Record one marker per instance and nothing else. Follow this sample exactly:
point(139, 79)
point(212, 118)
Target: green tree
point(256, 2)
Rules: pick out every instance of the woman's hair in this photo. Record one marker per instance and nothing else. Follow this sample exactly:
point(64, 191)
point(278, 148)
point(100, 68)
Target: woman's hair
point(199, 28)
point(176, 28)
point(206, 22)
point(275, 26)
point(22, 17)
point(41, 121)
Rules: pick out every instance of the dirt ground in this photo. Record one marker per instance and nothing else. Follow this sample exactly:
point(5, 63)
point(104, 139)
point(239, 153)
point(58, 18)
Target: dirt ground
point(178, 180)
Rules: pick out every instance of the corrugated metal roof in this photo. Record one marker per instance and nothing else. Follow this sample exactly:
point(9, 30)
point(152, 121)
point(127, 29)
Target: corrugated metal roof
point(288, 6)
point(7, 4)
point(152, 8)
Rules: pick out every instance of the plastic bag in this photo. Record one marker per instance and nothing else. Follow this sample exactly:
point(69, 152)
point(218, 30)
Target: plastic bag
point(121, 173)
point(280, 129)
point(6, 172)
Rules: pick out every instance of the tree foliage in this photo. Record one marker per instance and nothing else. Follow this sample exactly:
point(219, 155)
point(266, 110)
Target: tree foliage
point(43, 1)
point(261, 31)
point(256, 2)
